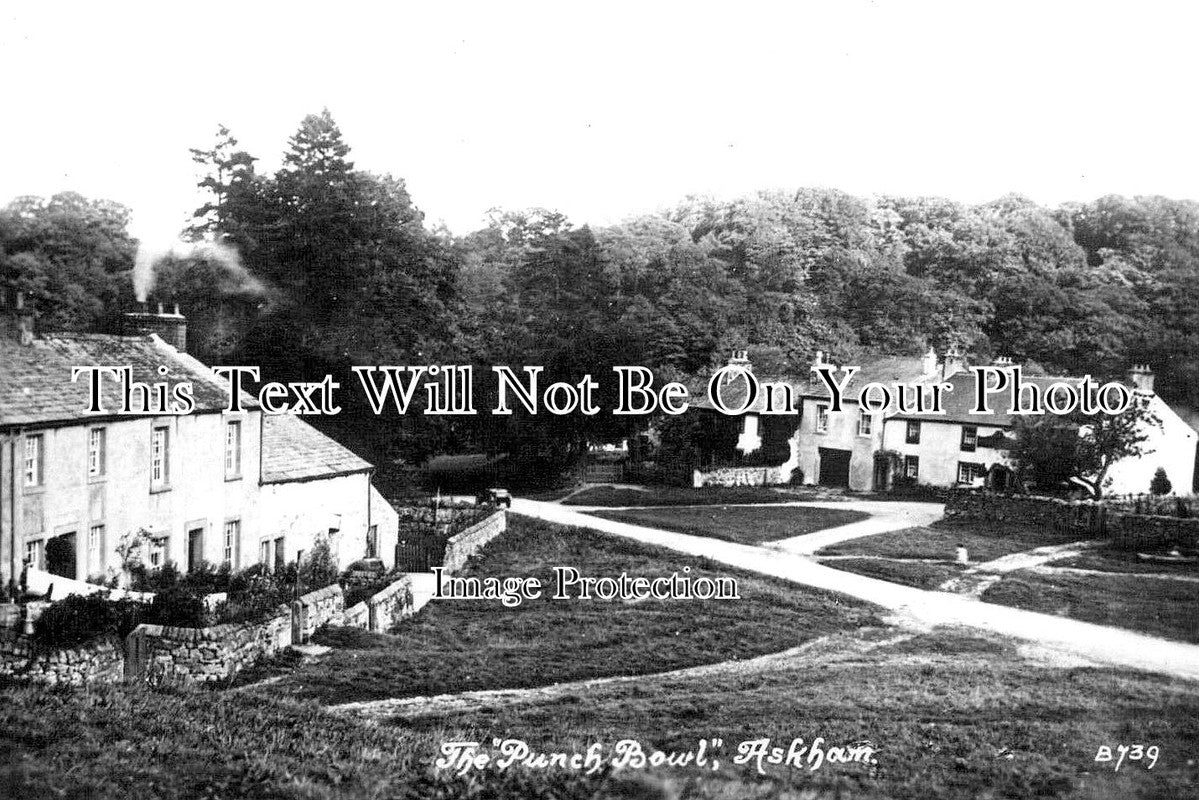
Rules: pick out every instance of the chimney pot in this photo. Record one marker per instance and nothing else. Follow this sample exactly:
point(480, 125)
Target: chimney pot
point(1141, 377)
point(17, 322)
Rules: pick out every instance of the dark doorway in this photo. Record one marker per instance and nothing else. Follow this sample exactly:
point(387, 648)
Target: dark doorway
point(60, 556)
point(834, 467)
point(882, 473)
point(195, 549)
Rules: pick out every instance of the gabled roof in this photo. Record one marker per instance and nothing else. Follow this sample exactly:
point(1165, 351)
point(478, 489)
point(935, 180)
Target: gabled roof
point(881, 369)
point(36, 387)
point(957, 404)
point(293, 450)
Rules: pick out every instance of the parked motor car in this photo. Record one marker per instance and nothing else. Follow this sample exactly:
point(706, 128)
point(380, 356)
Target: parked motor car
point(494, 497)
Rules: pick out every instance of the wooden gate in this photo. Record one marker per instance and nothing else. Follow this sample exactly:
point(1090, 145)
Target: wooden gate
point(604, 472)
point(420, 553)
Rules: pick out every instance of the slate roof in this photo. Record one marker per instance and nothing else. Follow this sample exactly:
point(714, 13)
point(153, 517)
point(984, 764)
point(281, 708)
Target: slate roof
point(293, 450)
point(882, 369)
point(35, 380)
point(958, 403)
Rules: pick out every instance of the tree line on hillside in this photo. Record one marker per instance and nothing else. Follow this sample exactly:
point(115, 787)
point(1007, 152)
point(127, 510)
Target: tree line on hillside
point(334, 266)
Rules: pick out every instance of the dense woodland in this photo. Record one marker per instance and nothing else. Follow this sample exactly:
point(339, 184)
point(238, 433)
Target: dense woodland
point(320, 266)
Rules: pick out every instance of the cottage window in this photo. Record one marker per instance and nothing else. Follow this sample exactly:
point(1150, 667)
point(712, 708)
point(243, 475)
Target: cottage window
point(233, 449)
point(35, 553)
point(969, 472)
point(372, 541)
point(159, 458)
point(232, 534)
point(280, 560)
point(913, 432)
point(95, 549)
point(158, 551)
point(969, 438)
point(865, 424)
point(911, 466)
point(95, 452)
point(821, 418)
point(34, 457)
point(264, 552)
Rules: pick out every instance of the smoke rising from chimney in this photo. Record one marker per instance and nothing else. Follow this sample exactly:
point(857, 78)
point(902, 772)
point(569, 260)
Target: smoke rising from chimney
point(149, 258)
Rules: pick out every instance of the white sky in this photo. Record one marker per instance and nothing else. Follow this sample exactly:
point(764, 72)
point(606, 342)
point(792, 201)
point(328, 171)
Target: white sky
point(607, 109)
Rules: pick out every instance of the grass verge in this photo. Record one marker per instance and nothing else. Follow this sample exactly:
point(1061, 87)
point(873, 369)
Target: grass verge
point(983, 540)
point(738, 523)
point(922, 575)
point(686, 496)
point(461, 645)
point(952, 715)
point(1109, 559)
point(1155, 606)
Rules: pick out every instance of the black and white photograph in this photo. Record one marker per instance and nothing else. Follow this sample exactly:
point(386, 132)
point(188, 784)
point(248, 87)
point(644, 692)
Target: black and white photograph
point(599, 401)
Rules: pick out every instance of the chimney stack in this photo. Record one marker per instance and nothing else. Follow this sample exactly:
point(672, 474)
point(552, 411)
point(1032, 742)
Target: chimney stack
point(1002, 361)
point(16, 321)
point(171, 327)
point(1141, 377)
point(928, 364)
point(955, 362)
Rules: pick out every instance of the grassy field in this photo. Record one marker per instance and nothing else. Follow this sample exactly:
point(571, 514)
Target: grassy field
point(133, 742)
point(1109, 559)
point(922, 575)
point(951, 715)
point(686, 496)
point(458, 645)
point(984, 541)
point(1156, 606)
point(738, 523)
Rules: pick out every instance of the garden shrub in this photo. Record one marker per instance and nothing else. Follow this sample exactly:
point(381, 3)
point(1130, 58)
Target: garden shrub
point(80, 618)
point(319, 568)
point(178, 607)
point(250, 606)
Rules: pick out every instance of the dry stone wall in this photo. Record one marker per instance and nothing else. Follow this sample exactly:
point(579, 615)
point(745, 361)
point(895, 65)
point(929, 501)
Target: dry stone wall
point(1090, 518)
point(100, 661)
point(739, 476)
point(163, 655)
point(1145, 532)
point(465, 544)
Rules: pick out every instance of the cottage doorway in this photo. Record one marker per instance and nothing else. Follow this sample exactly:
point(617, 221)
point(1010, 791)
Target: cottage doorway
point(834, 467)
point(195, 549)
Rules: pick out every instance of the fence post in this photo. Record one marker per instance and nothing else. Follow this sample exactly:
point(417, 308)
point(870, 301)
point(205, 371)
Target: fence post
point(297, 622)
point(134, 655)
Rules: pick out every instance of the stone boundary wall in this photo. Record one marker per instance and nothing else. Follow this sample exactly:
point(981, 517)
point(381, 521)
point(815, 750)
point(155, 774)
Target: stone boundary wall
point(739, 476)
point(357, 616)
point(1048, 512)
point(1146, 532)
point(1088, 517)
point(98, 661)
point(465, 544)
point(164, 655)
point(388, 607)
point(315, 609)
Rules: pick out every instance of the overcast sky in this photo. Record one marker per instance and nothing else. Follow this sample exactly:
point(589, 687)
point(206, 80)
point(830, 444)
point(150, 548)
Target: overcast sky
point(607, 109)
